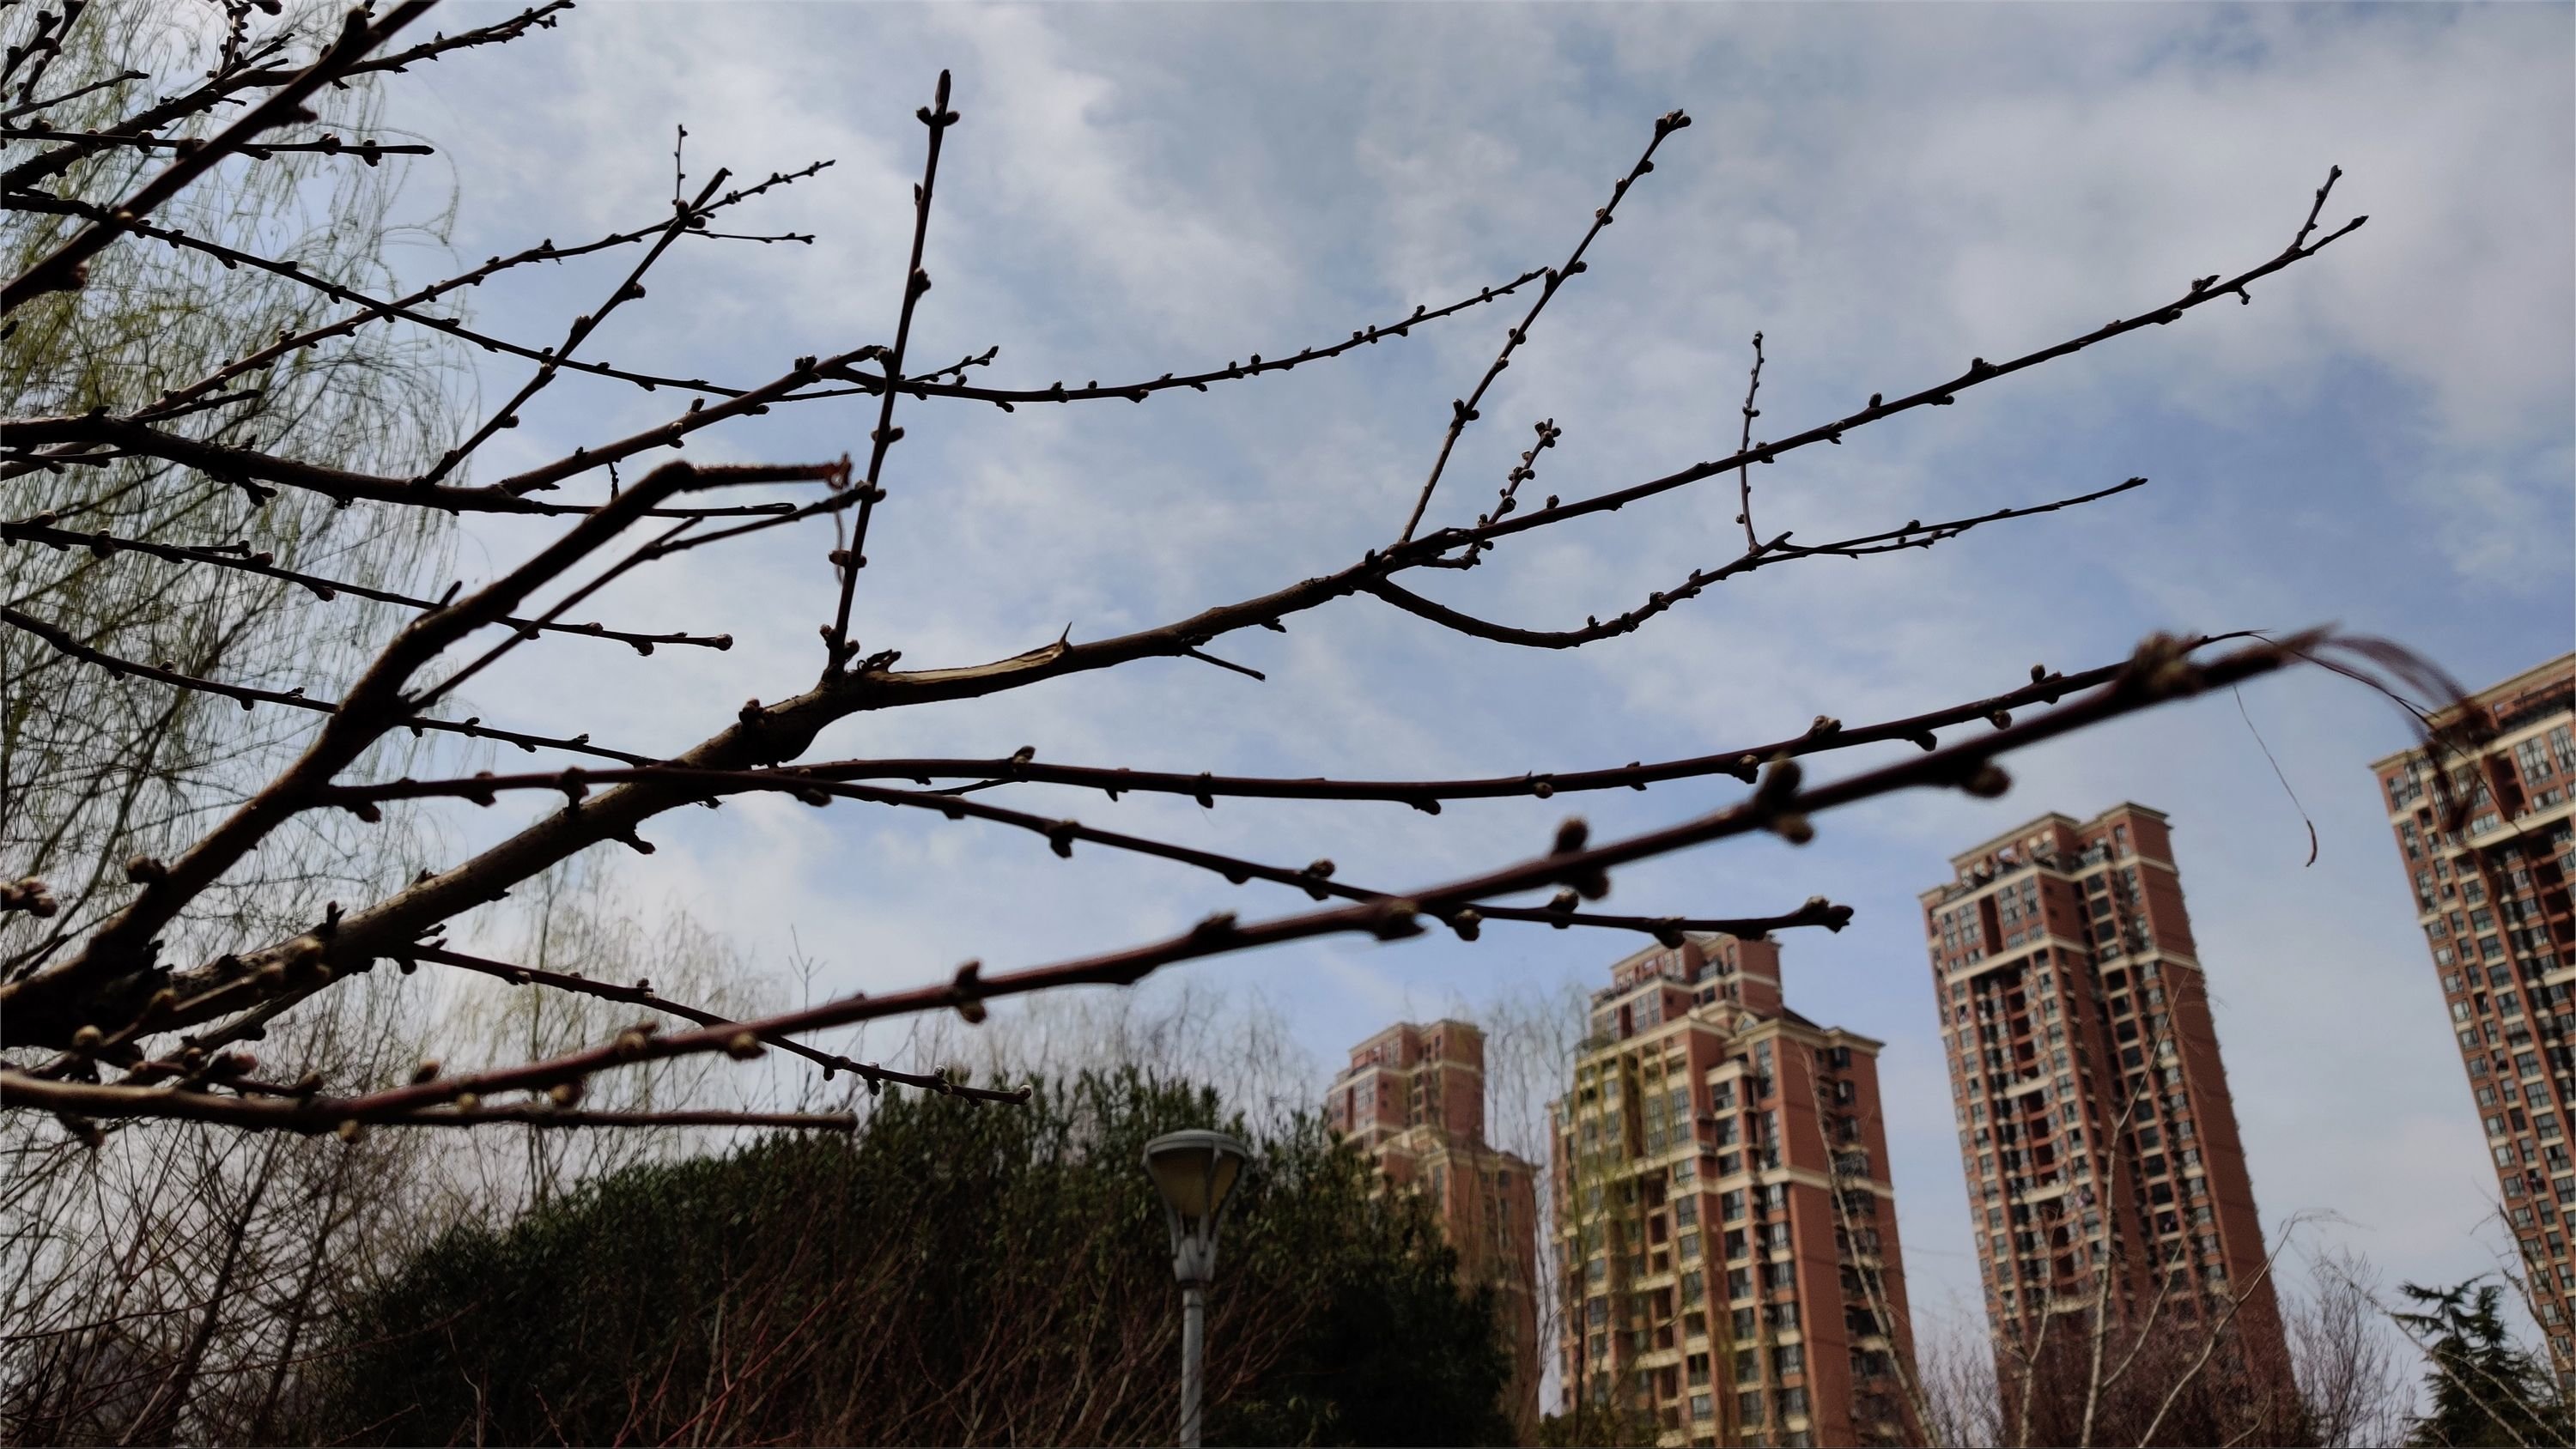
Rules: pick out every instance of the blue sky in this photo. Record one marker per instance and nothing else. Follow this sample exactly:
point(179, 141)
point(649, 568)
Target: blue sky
point(2382, 439)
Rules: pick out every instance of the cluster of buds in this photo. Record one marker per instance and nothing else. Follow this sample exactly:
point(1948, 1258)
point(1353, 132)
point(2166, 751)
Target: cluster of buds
point(1508, 497)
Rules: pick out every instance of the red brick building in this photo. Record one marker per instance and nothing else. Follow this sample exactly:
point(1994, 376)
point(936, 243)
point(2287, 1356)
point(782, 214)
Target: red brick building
point(1414, 1098)
point(2491, 899)
point(2094, 1119)
point(1723, 1214)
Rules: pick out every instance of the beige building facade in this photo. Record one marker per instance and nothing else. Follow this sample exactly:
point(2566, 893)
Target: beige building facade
point(1723, 1214)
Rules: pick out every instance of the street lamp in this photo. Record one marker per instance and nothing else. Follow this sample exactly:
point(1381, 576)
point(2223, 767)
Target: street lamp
point(1195, 1171)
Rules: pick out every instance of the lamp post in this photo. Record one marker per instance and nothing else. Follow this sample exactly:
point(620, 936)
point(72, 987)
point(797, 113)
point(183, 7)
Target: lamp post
point(1195, 1171)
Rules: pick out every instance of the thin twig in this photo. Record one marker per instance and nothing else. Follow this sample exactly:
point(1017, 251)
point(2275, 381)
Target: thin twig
point(642, 994)
point(1744, 448)
point(1463, 410)
point(936, 118)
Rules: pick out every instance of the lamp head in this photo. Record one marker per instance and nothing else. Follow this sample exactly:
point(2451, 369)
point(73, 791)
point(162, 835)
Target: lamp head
point(1195, 1171)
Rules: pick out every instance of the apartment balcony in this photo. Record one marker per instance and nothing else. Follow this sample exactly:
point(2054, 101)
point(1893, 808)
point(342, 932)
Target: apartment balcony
point(1669, 1356)
point(1665, 1276)
point(1878, 1341)
point(2528, 821)
point(2046, 1189)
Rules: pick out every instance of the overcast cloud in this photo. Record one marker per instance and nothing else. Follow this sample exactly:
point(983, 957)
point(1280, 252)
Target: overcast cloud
point(2382, 439)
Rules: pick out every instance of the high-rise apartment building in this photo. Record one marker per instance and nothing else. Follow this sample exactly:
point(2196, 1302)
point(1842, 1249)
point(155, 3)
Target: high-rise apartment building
point(2094, 1119)
point(1414, 1098)
point(1723, 1214)
point(2491, 898)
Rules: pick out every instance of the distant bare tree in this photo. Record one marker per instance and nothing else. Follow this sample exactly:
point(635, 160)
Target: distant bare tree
point(1530, 1048)
point(178, 1277)
point(1236, 1041)
point(1955, 1364)
point(161, 1287)
point(2350, 1367)
point(132, 1004)
point(2352, 1375)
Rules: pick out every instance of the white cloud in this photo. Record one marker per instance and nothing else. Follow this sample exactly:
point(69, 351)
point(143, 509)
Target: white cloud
point(2491, 531)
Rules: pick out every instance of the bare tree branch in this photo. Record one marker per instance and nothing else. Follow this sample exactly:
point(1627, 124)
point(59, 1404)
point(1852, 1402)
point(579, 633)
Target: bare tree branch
point(642, 994)
point(96, 991)
point(1780, 805)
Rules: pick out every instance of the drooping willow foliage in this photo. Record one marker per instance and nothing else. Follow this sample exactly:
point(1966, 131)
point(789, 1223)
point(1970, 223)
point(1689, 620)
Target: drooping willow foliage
point(129, 1278)
point(96, 768)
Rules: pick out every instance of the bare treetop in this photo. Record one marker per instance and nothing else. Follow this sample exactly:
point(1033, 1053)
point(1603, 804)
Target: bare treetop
point(126, 1009)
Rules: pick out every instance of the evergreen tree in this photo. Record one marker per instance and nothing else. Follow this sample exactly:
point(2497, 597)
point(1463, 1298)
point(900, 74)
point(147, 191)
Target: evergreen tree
point(2485, 1388)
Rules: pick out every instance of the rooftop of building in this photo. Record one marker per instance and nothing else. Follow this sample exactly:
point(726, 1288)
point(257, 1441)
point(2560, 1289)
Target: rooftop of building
point(1704, 939)
point(1705, 1012)
point(1425, 1034)
point(1420, 1028)
point(1713, 960)
point(2013, 840)
point(2549, 676)
point(1420, 1136)
point(2015, 836)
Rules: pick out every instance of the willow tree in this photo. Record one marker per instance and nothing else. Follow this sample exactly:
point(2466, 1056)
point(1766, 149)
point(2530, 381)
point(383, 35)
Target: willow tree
point(126, 1289)
point(94, 771)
